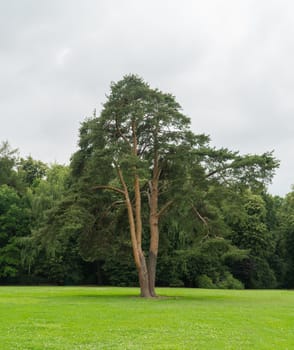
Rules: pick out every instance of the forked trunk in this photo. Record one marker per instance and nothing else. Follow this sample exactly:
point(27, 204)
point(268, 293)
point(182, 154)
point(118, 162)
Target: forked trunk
point(143, 277)
point(136, 232)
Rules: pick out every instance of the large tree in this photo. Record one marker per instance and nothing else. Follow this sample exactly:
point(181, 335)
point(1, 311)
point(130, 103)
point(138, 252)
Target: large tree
point(141, 149)
point(138, 133)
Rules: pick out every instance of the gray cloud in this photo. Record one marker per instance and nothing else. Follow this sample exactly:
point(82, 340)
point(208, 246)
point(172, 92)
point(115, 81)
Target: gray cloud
point(228, 63)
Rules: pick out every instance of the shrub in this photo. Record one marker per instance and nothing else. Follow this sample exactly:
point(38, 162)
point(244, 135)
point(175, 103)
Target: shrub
point(203, 281)
point(229, 282)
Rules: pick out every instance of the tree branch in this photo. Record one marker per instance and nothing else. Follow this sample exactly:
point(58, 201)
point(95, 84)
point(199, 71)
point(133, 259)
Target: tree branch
point(148, 196)
point(218, 170)
point(164, 208)
point(120, 133)
point(200, 216)
point(212, 172)
point(108, 187)
point(107, 211)
point(158, 172)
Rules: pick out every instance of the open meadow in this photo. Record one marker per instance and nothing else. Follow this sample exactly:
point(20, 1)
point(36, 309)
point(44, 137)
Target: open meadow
point(69, 318)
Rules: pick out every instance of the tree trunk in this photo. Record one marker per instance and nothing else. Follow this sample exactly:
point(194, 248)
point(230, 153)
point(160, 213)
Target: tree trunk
point(143, 277)
point(154, 235)
point(140, 260)
point(139, 257)
point(137, 226)
point(152, 260)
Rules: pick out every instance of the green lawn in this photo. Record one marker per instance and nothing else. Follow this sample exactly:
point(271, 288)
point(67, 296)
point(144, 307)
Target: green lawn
point(115, 318)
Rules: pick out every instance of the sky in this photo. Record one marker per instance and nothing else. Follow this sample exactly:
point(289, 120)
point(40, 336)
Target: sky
point(230, 64)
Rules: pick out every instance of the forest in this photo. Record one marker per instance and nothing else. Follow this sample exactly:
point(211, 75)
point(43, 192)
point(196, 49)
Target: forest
point(144, 201)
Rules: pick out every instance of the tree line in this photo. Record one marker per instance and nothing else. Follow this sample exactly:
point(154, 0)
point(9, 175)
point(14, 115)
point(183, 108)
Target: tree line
point(144, 201)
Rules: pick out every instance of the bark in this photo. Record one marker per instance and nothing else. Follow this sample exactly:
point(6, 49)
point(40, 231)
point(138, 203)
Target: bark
point(142, 268)
point(139, 257)
point(154, 231)
point(154, 235)
point(143, 277)
point(140, 260)
point(138, 210)
point(152, 260)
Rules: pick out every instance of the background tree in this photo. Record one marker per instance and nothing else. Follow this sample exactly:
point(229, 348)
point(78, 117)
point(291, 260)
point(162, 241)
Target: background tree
point(250, 232)
point(8, 162)
point(51, 253)
point(286, 234)
point(14, 223)
point(31, 170)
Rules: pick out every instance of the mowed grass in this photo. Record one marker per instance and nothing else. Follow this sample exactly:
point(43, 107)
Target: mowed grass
point(116, 318)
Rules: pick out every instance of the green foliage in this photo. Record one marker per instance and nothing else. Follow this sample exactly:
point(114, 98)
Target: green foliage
point(251, 232)
point(208, 267)
point(262, 275)
point(229, 282)
point(8, 160)
point(286, 233)
point(31, 170)
point(119, 269)
point(14, 223)
point(203, 281)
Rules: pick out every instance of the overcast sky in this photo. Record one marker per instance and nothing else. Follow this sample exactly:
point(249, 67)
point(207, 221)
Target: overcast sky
point(229, 63)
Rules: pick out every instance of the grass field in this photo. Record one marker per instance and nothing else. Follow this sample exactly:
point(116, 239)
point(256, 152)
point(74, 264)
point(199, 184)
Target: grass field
point(115, 318)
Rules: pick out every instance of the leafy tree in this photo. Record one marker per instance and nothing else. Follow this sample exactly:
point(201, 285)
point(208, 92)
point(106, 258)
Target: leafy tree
point(47, 187)
point(50, 259)
point(286, 227)
point(31, 170)
point(277, 258)
point(250, 232)
point(14, 223)
point(8, 162)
